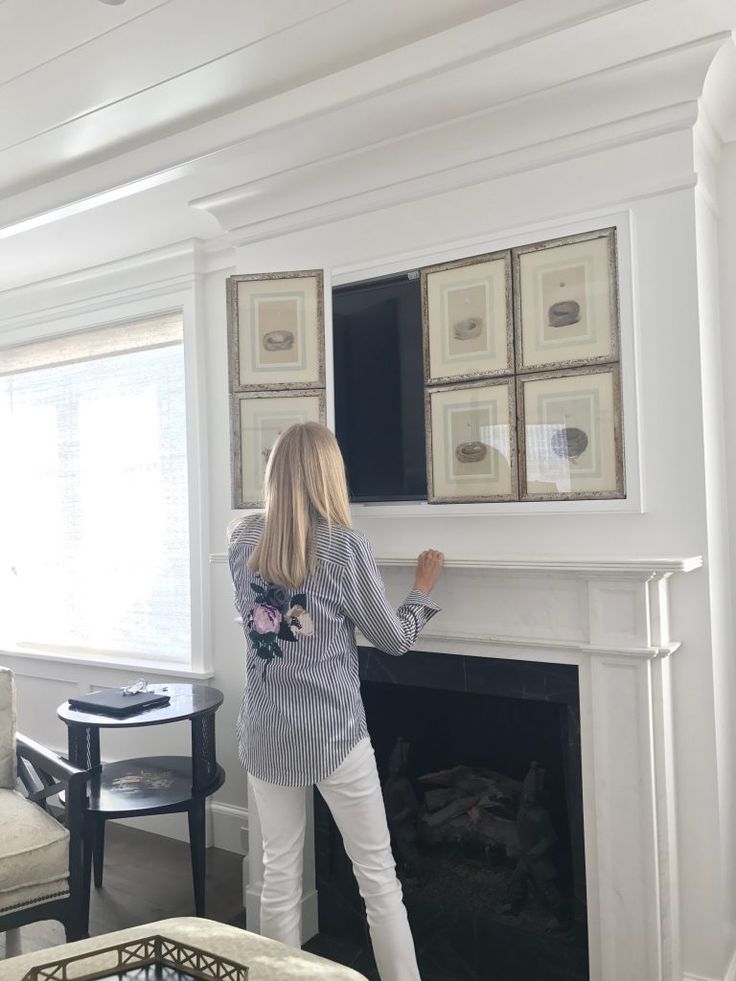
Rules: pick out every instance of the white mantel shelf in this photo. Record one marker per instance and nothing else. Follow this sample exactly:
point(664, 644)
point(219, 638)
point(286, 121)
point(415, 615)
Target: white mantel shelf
point(642, 569)
point(614, 568)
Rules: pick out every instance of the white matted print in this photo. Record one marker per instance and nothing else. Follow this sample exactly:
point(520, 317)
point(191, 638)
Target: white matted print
point(571, 435)
point(257, 422)
point(276, 331)
point(466, 318)
point(565, 293)
point(471, 451)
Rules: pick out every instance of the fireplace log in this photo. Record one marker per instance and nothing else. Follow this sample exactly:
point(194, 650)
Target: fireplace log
point(474, 780)
point(452, 810)
point(440, 797)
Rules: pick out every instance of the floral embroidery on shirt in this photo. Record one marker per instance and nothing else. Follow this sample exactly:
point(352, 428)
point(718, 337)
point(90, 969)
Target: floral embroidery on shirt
point(277, 617)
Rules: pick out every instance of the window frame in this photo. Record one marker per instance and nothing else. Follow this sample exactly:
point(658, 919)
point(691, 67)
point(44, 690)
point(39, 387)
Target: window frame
point(138, 306)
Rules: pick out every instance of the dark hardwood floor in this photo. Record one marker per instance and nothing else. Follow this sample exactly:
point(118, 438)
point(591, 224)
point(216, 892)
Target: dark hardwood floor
point(148, 877)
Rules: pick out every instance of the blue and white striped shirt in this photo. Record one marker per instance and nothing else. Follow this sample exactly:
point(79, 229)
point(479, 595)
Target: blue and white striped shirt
point(302, 712)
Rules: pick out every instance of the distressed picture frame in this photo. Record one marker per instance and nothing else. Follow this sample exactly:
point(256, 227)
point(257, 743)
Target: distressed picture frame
point(570, 435)
point(467, 319)
point(471, 443)
point(276, 329)
point(566, 309)
point(256, 420)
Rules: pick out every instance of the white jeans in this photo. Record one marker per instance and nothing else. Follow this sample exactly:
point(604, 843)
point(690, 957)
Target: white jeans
point(353, 794)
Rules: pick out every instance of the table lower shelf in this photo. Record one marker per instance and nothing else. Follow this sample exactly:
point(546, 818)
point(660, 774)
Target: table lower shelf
point(149, 785)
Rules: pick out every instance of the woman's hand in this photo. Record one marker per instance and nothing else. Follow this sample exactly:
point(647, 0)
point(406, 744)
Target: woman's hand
point(429, 567)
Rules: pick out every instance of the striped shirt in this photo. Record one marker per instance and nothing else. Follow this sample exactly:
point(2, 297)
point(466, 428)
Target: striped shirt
point(302, 712)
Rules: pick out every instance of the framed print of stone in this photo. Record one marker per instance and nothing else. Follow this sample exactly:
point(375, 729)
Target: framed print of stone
point(471, 443)
point(570, 430)
point(257, 419)
point(566, 302)
point(467, 319)
point(276, 331)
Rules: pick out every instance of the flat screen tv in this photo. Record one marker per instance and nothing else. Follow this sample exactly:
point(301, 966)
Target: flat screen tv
point(379, 388)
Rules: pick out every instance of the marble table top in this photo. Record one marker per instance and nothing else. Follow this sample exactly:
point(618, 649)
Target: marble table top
point(267, 960)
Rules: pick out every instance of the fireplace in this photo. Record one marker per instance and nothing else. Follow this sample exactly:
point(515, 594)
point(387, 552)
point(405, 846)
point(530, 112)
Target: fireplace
point(607, 620)
point(480, 761)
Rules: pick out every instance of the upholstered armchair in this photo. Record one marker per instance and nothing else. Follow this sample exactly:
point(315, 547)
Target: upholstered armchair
point(41, 856)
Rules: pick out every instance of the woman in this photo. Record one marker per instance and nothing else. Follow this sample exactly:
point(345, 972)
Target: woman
point(304, 580)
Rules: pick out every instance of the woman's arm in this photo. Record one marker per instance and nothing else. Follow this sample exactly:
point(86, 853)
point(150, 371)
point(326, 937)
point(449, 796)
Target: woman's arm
point(365, 603)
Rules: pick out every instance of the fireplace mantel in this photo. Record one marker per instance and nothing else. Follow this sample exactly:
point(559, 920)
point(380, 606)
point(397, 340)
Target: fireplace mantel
point(634, 568)
point(637, 568)
point(610, 617)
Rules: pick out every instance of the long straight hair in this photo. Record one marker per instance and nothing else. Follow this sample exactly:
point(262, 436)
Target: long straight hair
point(305, 481)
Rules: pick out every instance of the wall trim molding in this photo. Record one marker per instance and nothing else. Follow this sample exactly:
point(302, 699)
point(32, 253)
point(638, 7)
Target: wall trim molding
point(642, 569)
point(528, 647)
point(225, 824)
point(153, 669)
point(481, 169)
point(229, 825)
point(174, 269)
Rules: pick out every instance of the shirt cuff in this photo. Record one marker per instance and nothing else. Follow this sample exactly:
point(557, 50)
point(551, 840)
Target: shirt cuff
point(417, 598)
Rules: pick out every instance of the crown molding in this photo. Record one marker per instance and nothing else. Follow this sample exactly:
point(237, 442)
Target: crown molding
point(521, 51)
point(612, 108)
point(485, 171)
point(147, 275)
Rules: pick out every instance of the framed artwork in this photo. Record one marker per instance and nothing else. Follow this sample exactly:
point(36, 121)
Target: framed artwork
point(257, 419)
point(570, 435)
point(276, 331)
point(566, 302)
point(467, 319)
point(471, 443)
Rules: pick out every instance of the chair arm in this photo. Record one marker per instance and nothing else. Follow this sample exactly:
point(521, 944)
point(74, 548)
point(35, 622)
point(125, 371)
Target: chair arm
point(44, 775)
point(48, 775)
point(45, 760)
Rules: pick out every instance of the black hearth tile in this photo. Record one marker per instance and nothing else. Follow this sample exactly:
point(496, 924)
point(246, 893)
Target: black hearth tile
point(445, 955)
point(335, 949)
point(573, 725)
point(424, 670)
point(522, 679)
point(366, 965)
point(513, 952)
point(430, 974)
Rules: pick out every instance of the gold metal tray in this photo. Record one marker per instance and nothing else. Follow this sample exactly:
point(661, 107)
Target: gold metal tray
point(150, 959)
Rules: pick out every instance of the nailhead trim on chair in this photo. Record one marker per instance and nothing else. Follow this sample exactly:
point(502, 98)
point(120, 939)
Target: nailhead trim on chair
point(34, 902)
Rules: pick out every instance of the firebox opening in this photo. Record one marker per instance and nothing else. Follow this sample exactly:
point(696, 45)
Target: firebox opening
point(483, 796)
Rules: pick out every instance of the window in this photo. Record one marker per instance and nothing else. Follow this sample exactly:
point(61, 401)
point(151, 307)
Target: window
point(94, 514)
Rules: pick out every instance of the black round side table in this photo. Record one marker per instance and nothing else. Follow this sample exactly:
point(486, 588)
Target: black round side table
point(151, 784)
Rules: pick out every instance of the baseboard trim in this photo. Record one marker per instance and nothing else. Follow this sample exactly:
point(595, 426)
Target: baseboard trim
point(730, 974)
point(227, 826)
point(167, 825)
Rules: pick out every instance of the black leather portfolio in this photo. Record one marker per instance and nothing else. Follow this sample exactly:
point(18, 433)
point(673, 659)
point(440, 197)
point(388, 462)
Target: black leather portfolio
point(115, 702)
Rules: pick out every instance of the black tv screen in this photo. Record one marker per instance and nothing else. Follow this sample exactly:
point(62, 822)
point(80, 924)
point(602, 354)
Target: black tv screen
point(379, 388)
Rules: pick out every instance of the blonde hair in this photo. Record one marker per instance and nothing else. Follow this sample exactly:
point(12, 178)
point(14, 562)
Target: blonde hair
point(305, 481)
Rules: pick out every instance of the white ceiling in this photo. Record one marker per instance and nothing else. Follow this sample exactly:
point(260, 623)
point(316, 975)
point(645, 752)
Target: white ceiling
point(93, 79)
point(119, 116)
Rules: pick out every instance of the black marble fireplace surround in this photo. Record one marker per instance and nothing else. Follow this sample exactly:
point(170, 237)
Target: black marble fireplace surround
point(476, 912)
